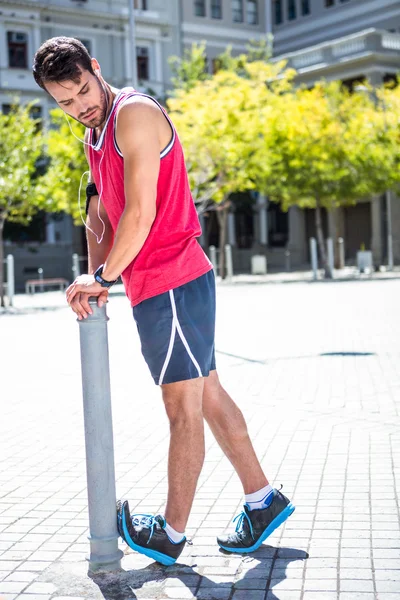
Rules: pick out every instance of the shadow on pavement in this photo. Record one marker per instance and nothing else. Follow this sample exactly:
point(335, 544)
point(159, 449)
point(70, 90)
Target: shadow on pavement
point(304, 356)
point(268, 571)
point(31, 310)
point(347, 354)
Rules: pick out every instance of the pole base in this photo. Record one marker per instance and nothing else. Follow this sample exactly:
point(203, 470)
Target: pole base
point(105, 563)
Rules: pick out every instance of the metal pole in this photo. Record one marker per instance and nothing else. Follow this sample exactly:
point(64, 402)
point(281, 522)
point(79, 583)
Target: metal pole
point(40, 271)
point(229, 262)
point(75, 266)
point(389, 228)
point(287, 260)
point(132, 33)
point(314, 258)
point(213, 258)
point(341, 253)
point(104, 552)
point(331, 256)
point(10, 279)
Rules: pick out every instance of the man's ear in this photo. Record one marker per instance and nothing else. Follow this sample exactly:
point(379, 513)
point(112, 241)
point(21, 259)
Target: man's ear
point(96, 67)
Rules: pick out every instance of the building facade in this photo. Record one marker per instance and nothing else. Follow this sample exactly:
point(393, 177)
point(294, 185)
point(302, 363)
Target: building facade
point(348, 40)
point(103, 26)
point(351, 41)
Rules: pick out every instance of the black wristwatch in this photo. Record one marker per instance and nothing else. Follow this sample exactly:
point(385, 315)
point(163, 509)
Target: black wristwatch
point(100, 280)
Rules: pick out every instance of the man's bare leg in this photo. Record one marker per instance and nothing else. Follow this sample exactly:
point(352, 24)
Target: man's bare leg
point(183, 404)
point(230, 430)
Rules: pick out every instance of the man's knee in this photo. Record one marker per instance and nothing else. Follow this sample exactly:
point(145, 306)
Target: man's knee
point(183, 400)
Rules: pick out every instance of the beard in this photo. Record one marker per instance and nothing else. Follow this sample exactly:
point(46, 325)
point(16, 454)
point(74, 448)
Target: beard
point(101, 111)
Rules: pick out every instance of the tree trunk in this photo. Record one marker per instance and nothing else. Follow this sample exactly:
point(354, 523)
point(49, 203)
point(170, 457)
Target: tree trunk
point(321, 240)
point(223, 226)
point(1, 263)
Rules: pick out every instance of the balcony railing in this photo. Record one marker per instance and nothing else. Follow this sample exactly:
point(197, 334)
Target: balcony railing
point(370, 41)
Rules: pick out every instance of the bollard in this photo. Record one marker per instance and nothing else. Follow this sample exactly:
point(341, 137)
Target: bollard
point(228, 260)
point(213, 258)
point(314, 258)
point(104, 552)
point(331, 257)
point(287, 260)
point(341, 253)
point(75, 266)
point(40, 271)
point(10, 279)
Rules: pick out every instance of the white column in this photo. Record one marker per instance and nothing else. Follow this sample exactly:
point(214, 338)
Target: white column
point(50, 230)
point(132, 44)
point(158, 65)
point(268, 17)
point(3, 47)
point(127, 52)
point(262, 202)
point(36, 38)
point(231, 229)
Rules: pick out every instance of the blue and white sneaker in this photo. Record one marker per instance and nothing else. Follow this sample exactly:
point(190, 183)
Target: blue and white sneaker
point(254, 526)
point(146, 534)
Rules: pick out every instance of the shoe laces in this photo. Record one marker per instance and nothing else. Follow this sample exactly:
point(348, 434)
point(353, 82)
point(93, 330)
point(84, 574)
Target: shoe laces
point(241, 519)
point(145, 520)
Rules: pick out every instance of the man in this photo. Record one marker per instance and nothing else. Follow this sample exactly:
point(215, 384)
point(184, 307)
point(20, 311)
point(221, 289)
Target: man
point(142, 225)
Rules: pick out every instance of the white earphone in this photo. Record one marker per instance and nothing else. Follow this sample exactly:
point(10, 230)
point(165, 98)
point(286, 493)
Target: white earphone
point(99, 240)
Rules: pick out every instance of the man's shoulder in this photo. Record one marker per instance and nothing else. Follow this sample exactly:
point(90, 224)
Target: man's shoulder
point(138, 106)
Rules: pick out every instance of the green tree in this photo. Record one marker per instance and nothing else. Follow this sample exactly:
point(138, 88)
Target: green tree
point(219, 123)
point(21, 145)
point(58, 188)
point(188, 70)
point(325, 148)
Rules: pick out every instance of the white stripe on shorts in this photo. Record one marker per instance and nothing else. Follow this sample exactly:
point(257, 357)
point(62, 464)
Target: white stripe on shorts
point(176, 327)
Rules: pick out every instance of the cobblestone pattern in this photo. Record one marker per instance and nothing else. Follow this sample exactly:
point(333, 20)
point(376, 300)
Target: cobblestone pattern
point(315, 369)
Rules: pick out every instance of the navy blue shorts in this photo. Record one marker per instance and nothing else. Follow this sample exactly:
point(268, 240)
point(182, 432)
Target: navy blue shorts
point(177, 330)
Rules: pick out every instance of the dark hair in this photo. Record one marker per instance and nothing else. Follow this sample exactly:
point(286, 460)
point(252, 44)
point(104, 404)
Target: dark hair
point(61, 59)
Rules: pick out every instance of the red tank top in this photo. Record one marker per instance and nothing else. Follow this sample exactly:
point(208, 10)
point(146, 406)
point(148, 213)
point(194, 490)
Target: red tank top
point(171, 255)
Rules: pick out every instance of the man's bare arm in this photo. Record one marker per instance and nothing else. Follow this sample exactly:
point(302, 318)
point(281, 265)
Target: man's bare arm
point(142, 131)
point(138, 136)
point(97, 252)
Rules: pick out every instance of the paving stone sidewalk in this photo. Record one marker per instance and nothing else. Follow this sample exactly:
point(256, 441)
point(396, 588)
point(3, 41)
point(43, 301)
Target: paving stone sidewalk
point(316, 371)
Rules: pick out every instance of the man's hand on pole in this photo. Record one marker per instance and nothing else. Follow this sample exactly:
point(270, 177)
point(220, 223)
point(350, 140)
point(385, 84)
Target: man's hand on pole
point(79, 292)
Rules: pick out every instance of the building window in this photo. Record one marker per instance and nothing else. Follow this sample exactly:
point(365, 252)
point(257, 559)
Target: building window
point(142, 57)
point(305, 7)
point(88, 45)
point(252, 12)
point(329, 3)
point(216, 9)
point(278, 12)
point(292, 10)
point(200, 8)
point(237, 11)
point(17, 50)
